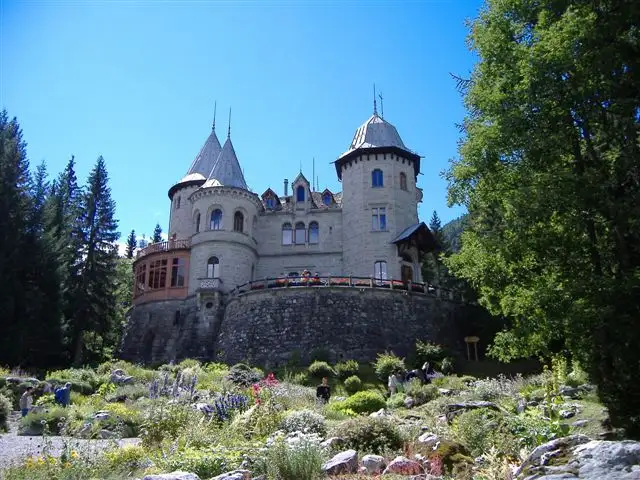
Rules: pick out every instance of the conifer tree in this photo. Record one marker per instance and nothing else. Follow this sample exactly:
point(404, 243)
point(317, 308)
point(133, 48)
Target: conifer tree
point(94, 312)
point(132, 244)
point(157, 234)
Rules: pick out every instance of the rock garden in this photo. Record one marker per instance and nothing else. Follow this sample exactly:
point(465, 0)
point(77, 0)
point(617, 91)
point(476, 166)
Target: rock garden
point(193, 421)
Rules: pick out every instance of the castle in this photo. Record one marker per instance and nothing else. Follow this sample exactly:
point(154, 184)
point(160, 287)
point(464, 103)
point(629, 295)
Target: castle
point(235, 259)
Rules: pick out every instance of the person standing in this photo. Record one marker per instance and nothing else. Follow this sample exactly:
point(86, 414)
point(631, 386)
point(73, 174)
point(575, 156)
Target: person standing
point(323, 392)
point(26, 401)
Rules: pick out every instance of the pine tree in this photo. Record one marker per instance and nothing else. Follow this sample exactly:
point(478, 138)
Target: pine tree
point(94, 312)
point(15, 208)
point(157, 234)
point(132, 244)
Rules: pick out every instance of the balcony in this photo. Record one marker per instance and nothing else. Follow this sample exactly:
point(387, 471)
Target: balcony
point(209, 284)
point(164, 247)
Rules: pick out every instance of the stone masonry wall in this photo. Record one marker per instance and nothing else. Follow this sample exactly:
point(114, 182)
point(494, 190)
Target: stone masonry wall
point(267, 327)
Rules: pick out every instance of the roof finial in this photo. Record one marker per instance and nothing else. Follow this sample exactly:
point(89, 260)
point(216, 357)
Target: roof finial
point(375, 105)
point(229, 130)
point(381, 106)
point(215, 107)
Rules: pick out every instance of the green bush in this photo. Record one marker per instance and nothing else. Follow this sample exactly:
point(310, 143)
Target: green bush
point(83, 380)
point(300, 462)
point(429, 352)
point(205, 463)
point(164, 420)
point(369, 434)
point(320, 369)
point(347, 369)
point(352, 384)
point(453, 382)
point(396, 400)
point(243, 375)
point(306, 421)
point(52, 420)
point(300, 378)
point(447, 365)
point(421, 394)
point(5, 410)
point(368, 401)
point(124, 393)
point(476, 429)
point(386, 364)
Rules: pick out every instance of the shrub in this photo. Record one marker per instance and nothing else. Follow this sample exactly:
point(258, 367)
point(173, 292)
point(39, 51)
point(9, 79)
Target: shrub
point(127, 457)
point(300, 462)
point(244, 375)
point(51, 420)
point(347, 369)
point(396, 400)
point(429, 352)
point(367, 401)
point(352, 384)
point(5, 410)
point(452, 382)
point(421, 394)
point(306, 421)
point(164, 420)
point(447, 366)
point(205, 463)
point(300, 378)
point(320, 369)
point(83, 380)
point(386, 364)
point(122, 393)
point(369, 434)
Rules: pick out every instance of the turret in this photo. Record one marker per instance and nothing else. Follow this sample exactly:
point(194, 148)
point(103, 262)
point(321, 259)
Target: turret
point(380, 197)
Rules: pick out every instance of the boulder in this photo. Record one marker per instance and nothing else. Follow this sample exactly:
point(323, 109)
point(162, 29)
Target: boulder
point(380, 413)
point(455, 409)
point(333, 442)
point(343, 462)
point(578, 457)
point(102, 415)
point(409, 402)
point(571, 392)
point(579, 423)
point(120, 378)
point(235, 475)
point(173, 476)
point(429, 440)
point(445, 391)
point(403, 466)
point(373, 464)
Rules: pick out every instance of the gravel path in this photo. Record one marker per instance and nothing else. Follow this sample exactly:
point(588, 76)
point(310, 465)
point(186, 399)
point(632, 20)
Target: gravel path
point(14, 448)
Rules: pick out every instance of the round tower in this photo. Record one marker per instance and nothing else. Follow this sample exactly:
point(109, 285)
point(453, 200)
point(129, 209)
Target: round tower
point(382, 236)
point(223, 247)
point(181, 217)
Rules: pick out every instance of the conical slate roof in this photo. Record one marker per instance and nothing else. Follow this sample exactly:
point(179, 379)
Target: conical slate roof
point(206, 159)
point(374, 133)
point(226, 169)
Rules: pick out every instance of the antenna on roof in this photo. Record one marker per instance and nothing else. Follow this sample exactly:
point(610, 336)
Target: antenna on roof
point(381, 105)
point(229, 130)
point(215, 106)
point(375, 105)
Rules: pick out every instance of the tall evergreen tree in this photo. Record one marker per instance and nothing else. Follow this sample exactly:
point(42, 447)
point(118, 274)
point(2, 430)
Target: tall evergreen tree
point(15, 210)
point(94, 312)
point(157, 234)
point(132, 244)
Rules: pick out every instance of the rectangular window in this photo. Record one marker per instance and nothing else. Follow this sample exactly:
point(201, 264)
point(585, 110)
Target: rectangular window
point(301, 234)
point(177, 272)
point(158, 274)
point(379, 219)
point(380, 271)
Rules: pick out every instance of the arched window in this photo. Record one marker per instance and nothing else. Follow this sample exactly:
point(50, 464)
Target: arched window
point(376, 178)
point(403, 181)
point(301, 233)
point(300, 193)
point(238, 222)
point(216, 219)
point(213, 267)
point(287, 234)
point(326, 199)
point(197, 222)
point(380, 270)
point(314, 232)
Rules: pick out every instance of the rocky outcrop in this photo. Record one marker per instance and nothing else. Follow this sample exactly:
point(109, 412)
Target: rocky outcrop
point(343, 462)
point(373, 464)
point(578, 457)
point(403, 466)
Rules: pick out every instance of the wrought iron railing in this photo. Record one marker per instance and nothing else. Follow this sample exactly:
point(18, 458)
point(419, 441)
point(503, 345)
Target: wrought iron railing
point(345, 282)
point(164, 247)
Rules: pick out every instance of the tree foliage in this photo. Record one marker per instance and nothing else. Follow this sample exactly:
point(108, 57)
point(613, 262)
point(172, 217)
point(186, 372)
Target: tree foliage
point(132, 244)
point(549, 170)
point(157, 234)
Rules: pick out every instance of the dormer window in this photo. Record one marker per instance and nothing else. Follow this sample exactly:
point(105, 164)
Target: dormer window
point(300, 193)
point(326, 199)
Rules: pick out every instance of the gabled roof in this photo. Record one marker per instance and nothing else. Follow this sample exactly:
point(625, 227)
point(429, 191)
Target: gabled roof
point(269, 193)
point(299, 178)
point(417, 235)
point(208, 155)
point(226, 170)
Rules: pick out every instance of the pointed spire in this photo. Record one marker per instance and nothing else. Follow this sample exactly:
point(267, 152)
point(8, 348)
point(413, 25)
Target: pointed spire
point(227, 170)
point(229, 130)
point(206, 158)
point(375, 105)
point(215, 105)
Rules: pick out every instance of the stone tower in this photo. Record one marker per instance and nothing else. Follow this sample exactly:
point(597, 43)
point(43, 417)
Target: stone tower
point(380, 199)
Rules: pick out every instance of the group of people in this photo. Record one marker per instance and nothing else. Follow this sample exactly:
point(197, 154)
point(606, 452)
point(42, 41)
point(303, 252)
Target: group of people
point(61, 396)
point(398, 379)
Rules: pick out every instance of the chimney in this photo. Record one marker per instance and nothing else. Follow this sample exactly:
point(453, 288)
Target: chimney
point(286, 187)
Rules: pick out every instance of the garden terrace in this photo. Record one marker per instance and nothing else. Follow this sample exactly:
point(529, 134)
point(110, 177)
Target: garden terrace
point(347, 282)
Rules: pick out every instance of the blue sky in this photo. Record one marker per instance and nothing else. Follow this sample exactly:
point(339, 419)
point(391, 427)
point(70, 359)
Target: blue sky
point(136, 82)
